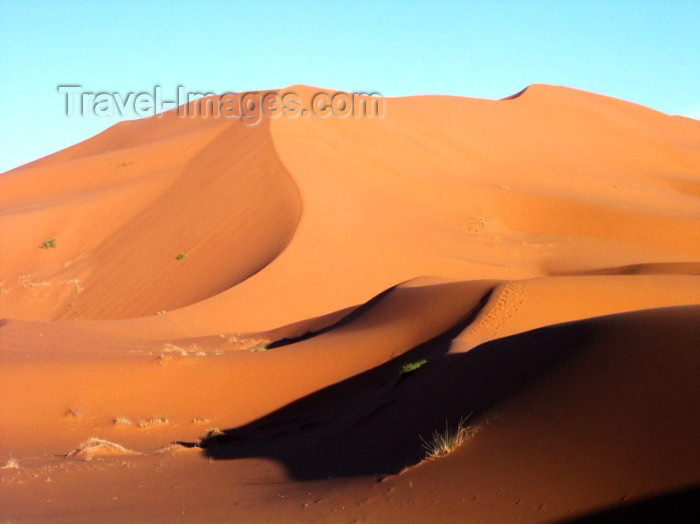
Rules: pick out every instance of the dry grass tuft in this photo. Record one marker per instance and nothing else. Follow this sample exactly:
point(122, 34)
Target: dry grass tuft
point(156, 421)
point(122, 421)
point(175, 448)
point(11, 464)
point(443, 443)
point(94, 446)
point(172, 348)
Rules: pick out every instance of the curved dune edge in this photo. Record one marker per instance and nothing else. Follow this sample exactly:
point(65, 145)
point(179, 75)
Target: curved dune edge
point(561, 232)
point(590, 434)
point(183, 380)
point(133, 221)
point(607, 367)
point(456, 207)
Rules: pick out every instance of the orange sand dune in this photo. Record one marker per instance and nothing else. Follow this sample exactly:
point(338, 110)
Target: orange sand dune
point(251, 294)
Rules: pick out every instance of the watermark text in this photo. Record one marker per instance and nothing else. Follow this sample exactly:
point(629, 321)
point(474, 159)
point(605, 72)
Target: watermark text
point(249, 107)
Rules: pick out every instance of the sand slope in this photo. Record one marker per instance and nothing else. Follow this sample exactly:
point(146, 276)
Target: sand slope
point(541, 253)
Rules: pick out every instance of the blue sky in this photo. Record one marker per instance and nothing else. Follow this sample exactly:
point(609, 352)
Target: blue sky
point(643, 51)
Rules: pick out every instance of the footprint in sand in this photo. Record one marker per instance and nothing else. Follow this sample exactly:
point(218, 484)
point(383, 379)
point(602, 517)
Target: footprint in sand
point(506, 300)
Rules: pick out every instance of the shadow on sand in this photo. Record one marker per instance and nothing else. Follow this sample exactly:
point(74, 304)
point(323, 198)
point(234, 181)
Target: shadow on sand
point(372, 424)
point(678, 507)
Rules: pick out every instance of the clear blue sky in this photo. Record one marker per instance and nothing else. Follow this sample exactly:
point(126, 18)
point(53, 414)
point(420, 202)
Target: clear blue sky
point(643, 51)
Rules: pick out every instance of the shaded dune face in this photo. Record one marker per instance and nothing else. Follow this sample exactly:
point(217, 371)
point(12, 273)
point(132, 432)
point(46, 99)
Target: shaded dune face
point(240, 225)
point(552, 181)
point(254, 293)
point(243, 220)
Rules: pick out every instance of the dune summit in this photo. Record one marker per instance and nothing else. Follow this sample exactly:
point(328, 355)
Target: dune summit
point(206, 320)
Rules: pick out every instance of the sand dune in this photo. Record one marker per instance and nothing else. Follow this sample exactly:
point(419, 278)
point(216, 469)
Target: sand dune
point(253, 293)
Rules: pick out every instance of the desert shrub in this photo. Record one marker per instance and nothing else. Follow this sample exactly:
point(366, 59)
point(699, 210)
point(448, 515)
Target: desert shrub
point(411, 367)
point(48, 244)
point(443, 442)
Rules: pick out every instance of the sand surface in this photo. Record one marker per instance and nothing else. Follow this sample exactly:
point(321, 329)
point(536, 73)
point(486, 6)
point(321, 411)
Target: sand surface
point(216, 326)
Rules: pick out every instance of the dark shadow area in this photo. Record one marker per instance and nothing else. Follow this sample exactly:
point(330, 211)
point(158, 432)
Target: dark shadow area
point(353, 315)
point(516, 95)
point(678, 507)
point(350, 399)
point(372, 424)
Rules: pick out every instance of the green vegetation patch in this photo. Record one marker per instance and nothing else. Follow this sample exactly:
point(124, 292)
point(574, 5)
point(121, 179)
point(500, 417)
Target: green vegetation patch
point(411, 367)
point(48, 244)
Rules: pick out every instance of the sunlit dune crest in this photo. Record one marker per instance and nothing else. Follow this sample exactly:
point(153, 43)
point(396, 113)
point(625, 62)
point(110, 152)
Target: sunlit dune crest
point(462, 309)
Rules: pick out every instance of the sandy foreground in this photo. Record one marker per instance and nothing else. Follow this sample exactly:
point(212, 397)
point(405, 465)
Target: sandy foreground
point(204, 321)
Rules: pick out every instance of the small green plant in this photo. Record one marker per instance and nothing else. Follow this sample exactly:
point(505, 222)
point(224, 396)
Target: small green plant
point(409, 368)
point(181, 256)
point(48, 244)
point(442, 443)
